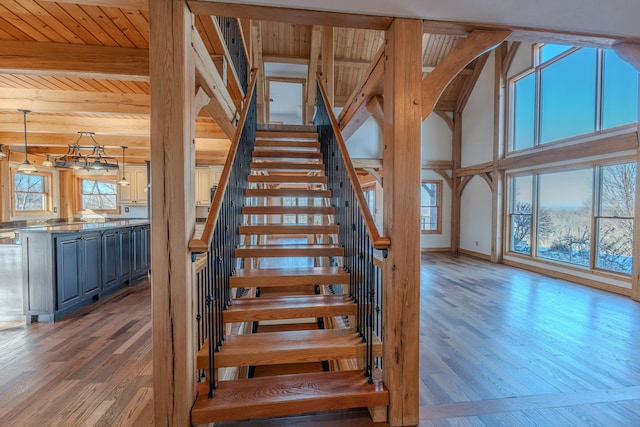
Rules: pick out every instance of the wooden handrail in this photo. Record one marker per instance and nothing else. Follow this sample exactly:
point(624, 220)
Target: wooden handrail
point(202, 244)
point(379, 242)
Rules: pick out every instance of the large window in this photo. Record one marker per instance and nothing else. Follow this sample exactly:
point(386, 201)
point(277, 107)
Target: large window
point(31, 192)
point(97, 194)
point(430, 209)
point(571, 92)
point(581, 217)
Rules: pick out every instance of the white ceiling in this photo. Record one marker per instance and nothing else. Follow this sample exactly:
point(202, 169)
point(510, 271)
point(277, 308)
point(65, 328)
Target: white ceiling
point(599, 17)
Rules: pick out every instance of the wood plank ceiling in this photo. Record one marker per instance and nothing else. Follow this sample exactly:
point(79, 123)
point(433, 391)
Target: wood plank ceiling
point(116, 107)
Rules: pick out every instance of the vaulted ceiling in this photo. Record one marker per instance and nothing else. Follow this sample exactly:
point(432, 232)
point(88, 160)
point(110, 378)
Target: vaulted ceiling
point(82, 65)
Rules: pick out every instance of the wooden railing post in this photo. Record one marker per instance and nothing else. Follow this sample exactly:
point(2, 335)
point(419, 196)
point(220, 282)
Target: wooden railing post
point(401, 273)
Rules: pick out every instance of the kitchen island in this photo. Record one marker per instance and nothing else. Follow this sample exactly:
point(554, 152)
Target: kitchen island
point(67, 266)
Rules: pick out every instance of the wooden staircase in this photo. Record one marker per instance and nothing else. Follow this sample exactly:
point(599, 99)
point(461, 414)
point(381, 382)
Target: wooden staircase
point(290, 265)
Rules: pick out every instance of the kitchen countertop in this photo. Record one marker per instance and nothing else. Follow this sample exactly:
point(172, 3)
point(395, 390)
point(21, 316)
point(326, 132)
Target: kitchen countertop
point(84, 226)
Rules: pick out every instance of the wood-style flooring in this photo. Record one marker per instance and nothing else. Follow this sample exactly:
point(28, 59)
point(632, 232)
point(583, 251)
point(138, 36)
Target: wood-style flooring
point(499, 346)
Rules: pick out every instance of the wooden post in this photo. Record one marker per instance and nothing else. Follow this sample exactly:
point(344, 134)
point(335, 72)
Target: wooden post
point(456, 156)
point(497, 189)
point(328, 63)
point(401, 272)
point(172, 78)
point(66, 194)
point(5, 188)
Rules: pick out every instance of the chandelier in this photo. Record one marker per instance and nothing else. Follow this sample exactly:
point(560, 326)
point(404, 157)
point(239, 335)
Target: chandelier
point(89, 157)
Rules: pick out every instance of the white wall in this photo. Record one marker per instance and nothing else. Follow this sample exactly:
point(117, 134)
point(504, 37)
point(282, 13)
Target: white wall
point(366, 142)
point(522, 60)
point(436, 145)
point(477, 119)
point(475, 217)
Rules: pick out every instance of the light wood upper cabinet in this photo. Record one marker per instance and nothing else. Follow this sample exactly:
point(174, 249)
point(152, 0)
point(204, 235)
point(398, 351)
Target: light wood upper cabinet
point(206, 177)
point(136, 192)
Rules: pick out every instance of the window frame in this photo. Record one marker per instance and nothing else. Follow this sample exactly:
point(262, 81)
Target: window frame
point(48, 194)
point(439, 185)
point(100, 178)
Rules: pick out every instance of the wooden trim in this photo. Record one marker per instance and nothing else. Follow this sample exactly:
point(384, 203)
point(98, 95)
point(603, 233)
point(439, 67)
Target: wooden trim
point(401, 218)
point(456, 156)
point(289, 15)
point(439, 187)
point(443, 174)
point(526, 34)
point(328, 63)
point(438, 164)
point(570, 277)
point(98, 62)
point(463, 183)
point(475, 254)
point(201, 245)
point(375, 106)
point(353, 115)
point(602, 145)
point(444, 116)
point(477, 43)
point(312, 70)
point(65, 178)
point(430, 250)
point(77, 191)
point(478, 169)
point(258, 62)
point(49, 191)
point(378, 242)
point(508, 58)
point(471, 81)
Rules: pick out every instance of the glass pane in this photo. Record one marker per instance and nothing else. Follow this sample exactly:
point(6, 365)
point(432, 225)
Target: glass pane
point(615, 245)
point(564, 216)
point(521, 234)
point(618, 190)
point(620, 96)
point(98, 202)
point(550, 51)
point(428, 194)
point(524, 102)
point(521, 197)
point(30, 202)
point(429, 218)
point(36, 183)
point(568, 96)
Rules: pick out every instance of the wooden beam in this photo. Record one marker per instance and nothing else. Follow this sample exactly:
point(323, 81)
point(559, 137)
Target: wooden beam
point(172, 210)
point(508, 58)
point(437, 164)
point(401, 272)
point(5, 188)
point(99, 62)
point(361, 163)
point(351, 117)
point(526, 34)
point(443, 173)
point(328, 63)
point(478, 169)
point(125, 126)
point(303, 60)
point(65, 101)
point(444, 116)
point(258, 62)
point(289, 15)
point(471, 81)
point(503, 56)
point(312, 70)
point(629, 52)
point(598, 147)
point(222, 109)
point(477, 43)
point(375, 106)
point(456, 156)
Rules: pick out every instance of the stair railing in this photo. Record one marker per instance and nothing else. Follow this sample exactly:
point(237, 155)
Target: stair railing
point(232, 35)
point(220, 235)
point(358, 233)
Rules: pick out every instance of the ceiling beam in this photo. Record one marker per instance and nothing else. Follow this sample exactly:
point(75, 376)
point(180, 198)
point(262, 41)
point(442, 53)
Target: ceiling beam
point(121, 4)
point(303, 60)
point(289, 15)
point(63, 101)
point(477, 43)
point(470, 83)
point(312, 70)
point(99, 62)
point(525, 34)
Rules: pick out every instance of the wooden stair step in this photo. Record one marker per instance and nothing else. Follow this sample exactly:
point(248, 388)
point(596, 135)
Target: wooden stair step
point(272, 348)
point(277, 251)
point(289, 229)
point(303, 179)
point(286, 154)
point(288, 210)
point(286, 134)
point(288, 166)
point(286, 143)
point(286, 192)
point(298, 307)
point(277, 277)
point(286, 395)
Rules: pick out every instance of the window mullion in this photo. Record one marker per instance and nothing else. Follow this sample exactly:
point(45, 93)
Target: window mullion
point(535, 199)
point(599, 89)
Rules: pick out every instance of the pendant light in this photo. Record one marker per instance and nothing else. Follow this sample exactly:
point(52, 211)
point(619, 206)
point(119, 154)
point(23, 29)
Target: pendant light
point(2, 155)
point(47, 163)
point(26, 167)
point(123, 181)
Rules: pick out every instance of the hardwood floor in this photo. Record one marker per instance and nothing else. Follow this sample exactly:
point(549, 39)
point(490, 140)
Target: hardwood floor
point(499, 346)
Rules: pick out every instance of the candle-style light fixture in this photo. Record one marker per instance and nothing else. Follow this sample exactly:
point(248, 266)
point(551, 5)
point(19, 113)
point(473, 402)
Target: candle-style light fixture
point(89, 157)
point(123, 181)
point(26, 167)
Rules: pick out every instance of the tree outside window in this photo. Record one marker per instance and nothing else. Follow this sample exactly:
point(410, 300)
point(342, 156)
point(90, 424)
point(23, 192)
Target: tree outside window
point(31, 192)
point(97, 194)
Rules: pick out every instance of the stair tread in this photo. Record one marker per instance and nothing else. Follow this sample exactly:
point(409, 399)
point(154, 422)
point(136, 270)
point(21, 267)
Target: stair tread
point(285, 166)
point(288, 307)
point(287, 154)
point(286, 134)
point(286, 192)
point(291, 210)
point(306, 179)
point(285, 395)
point(286, 143)
point(269, 348)
point(282, 277)
point(276, 251)
point(288, 229)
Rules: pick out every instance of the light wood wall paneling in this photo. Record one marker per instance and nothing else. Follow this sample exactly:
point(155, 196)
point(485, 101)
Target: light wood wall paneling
point(401, 272)
point(172, 211)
